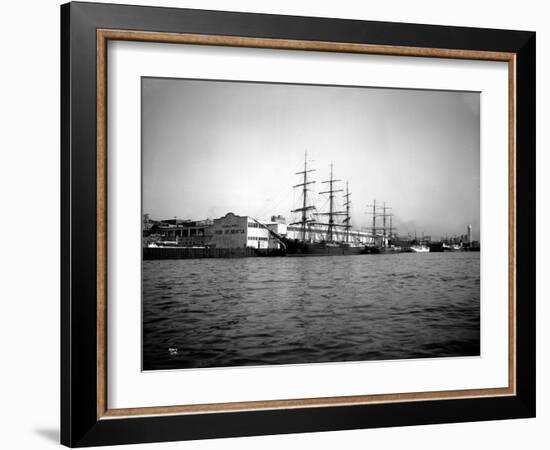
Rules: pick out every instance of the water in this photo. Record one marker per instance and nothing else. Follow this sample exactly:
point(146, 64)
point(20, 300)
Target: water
point(259, 311)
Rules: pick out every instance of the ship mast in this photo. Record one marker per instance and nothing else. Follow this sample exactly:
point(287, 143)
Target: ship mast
point(373, 220)
point(331, 213)
point(347, 204)
point(384, 227)
point(384, 215)
point(305, 207)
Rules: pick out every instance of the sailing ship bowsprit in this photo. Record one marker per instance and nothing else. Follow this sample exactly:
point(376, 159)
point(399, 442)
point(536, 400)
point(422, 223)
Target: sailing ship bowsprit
point(318, 237)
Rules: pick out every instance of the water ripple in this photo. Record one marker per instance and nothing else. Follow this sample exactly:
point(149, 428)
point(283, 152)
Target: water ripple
point(259, 311)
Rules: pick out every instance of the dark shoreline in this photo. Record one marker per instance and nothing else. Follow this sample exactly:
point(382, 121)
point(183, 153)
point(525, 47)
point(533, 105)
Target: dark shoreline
point(160, 253)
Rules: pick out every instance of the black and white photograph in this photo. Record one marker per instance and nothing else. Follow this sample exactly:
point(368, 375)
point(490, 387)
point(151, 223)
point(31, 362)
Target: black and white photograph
point(300, 224)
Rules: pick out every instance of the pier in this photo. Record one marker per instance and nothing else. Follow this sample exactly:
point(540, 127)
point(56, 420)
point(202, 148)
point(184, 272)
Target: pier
point(156, 253)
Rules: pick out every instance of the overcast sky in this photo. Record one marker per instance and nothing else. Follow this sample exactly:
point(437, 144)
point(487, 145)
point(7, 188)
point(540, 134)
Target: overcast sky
point(210, 147)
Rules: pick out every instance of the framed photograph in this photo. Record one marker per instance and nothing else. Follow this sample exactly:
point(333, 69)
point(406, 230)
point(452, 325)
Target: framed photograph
point(276, 224)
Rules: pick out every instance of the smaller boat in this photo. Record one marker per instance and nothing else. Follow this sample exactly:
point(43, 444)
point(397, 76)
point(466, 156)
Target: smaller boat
point(420, 248)
point(162, 244)
point(452, 247)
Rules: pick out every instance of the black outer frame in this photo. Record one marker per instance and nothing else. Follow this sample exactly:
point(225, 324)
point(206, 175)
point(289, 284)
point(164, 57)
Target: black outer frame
point(79, 424)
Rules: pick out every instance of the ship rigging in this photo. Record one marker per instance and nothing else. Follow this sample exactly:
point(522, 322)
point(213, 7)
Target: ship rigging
point(331, 242)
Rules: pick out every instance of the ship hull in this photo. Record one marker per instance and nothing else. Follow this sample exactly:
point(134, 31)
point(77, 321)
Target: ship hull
point(322, 250)
point(418, 249)
point(436, 247)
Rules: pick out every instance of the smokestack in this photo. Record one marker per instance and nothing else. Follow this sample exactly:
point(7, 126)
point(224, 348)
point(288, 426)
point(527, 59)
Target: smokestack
point(470, 234)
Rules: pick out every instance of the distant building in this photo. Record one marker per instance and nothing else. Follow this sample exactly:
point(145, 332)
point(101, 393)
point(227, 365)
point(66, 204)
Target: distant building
point(184, 232)
point(278, 219)
point(233, 231)
point(147, 223)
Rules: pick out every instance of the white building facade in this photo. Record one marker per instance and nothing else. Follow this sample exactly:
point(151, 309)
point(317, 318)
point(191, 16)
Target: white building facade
point(233, 231)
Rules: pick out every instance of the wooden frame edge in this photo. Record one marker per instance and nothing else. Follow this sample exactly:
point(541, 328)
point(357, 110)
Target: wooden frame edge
point(101, 223)
point(104, 35)
point(304, 403)
point(289, 44)
point(512, 199)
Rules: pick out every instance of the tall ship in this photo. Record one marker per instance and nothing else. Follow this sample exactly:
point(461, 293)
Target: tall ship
point(321, 233)
point(383, 237)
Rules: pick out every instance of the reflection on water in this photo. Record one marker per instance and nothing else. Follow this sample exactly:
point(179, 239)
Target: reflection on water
point(258, 311)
